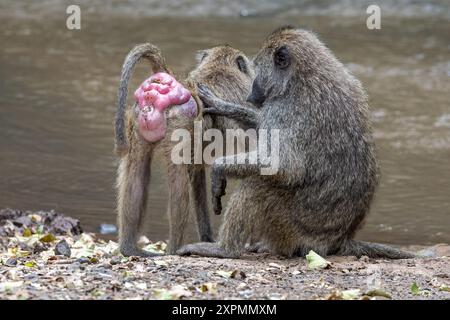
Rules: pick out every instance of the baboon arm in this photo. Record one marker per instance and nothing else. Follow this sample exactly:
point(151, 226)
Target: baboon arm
point(231, 166)
point(247, 117)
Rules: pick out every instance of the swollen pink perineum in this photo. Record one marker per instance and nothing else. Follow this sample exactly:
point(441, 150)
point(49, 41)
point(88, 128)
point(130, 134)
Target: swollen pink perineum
point(161, 90)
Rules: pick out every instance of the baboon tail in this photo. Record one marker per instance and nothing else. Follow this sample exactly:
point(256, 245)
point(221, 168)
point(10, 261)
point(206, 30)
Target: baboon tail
point(373, 250)
point(158, 64)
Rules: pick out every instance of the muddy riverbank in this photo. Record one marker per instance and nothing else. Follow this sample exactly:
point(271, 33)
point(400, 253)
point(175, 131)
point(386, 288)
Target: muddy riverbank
point(47, 256)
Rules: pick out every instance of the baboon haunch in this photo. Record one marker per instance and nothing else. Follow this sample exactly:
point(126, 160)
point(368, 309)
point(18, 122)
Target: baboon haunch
point(230, 74)
point(328, 170)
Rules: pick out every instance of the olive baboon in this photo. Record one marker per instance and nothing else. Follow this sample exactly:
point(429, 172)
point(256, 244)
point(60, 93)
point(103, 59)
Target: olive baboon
point(328, 170)
point(229, 73)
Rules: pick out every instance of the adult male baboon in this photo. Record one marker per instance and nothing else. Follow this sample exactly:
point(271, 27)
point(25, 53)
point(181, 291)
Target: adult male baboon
point(328, 170)
point(229, 73)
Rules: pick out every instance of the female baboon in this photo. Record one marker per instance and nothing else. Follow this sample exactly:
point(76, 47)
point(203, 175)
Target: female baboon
point(229, 73)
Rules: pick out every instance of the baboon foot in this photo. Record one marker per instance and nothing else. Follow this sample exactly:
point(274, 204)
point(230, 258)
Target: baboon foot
point(206, 249)
point(257, 247)
point(127, 252)
point(206, 238)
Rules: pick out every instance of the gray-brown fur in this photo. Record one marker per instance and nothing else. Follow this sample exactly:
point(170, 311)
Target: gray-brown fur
point(328, 170)
point(229, 73)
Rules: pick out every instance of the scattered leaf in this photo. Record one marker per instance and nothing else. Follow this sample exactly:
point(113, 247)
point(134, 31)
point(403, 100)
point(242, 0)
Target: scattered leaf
point(210, 287)
point(93, 260)
point(175, 293)
point(47, 238)
point(30, 264)
point(444, 288)
point(316, 262)
point(40, 229)
point(224, 274)
point(141, 285)
point(378, 293)
point(157, 247)
point(161, 263)
point(16, 252)
point(351, 294)
point(415, 289)
point(27, 232)
point(9, 286)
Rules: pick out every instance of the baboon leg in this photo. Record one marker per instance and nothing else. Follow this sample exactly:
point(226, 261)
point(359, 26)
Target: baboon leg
point(178, 208)
point(132, 181)
point(199, 205)
point(233, 233)
point(257, 247)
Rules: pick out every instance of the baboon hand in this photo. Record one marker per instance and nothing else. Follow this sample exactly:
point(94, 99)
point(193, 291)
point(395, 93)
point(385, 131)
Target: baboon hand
point(218, 184)
point(210, 101)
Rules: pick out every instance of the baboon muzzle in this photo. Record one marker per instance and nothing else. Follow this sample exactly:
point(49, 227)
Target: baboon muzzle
point(257, 96)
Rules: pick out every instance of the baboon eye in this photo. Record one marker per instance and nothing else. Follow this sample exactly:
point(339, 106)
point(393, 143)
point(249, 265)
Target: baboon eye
point(242, 65)
point(281, 58)
point(200, 56)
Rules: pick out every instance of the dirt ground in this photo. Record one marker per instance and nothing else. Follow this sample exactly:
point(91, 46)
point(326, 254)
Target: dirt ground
point(44, 255)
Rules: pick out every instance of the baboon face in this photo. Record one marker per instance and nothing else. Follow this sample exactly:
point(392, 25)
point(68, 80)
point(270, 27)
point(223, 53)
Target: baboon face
point(227, 70)
point(224, 56)
point(273, 69)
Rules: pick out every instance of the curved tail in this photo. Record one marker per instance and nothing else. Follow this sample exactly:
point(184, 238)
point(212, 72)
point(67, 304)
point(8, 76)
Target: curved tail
point(158, 64)
point(373, 250)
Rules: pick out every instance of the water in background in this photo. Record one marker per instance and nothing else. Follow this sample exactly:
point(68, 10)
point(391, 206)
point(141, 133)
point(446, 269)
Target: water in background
point(58, 90)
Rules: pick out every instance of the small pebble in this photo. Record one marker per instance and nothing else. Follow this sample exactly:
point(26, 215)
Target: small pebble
point(11, 262)
point(83, 260)
point(62, 249)
point(114, 261)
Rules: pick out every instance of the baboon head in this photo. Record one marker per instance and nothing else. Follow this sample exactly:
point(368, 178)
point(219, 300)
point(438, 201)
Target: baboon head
point(226, 70)
point(288, 57)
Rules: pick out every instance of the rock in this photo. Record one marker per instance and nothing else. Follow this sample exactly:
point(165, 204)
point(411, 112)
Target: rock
point(62, 248)
point(11, 262)
point(364, 259)
point(114, 261)
point(83, 260)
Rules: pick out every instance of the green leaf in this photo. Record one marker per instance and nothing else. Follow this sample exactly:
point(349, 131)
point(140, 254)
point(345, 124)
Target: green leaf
point(47, 238)
point(30, 264)
point(415, 289)
point(315, 261)
point(27, 232)
point(40, 229)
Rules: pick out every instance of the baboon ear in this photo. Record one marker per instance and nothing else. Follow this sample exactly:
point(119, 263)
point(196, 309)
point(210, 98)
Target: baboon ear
point(282, 58)
point(201, 55)
point(242, 64)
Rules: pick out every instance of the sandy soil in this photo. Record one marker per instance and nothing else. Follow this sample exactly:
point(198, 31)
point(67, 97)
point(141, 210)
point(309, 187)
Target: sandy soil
point(89, 268)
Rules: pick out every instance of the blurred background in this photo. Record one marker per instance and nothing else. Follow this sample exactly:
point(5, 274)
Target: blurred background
point(58, 91)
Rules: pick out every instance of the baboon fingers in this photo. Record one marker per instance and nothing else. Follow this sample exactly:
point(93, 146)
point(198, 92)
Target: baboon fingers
point(210, 101)
point(217, 205)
